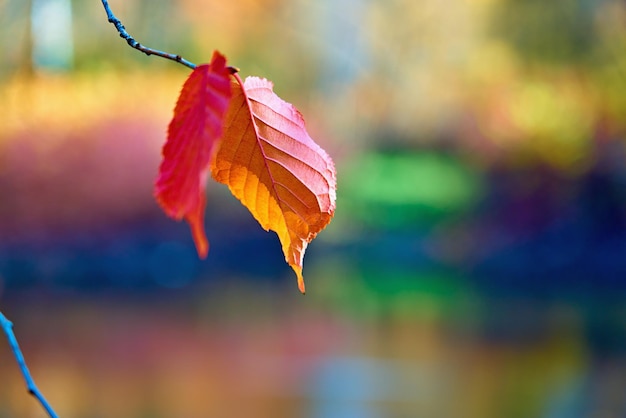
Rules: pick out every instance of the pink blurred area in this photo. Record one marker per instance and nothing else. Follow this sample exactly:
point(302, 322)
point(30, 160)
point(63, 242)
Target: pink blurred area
point(80, 155)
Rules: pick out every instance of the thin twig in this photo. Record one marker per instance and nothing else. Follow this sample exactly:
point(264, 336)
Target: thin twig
point(7, 326)
point(133, 43)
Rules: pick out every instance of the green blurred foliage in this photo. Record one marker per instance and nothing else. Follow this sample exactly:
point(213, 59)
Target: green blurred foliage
point(405, 189)
point(561, 32)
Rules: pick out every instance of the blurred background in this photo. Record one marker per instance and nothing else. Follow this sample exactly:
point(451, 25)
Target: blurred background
point(476, 265)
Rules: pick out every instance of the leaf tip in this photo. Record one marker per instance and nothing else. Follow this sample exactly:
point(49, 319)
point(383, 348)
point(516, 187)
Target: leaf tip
point(301, 286)
point(201, 242)
point(195, 219)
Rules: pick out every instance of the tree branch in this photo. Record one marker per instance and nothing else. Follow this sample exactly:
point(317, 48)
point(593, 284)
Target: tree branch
point(7, 326)
point(134, 44)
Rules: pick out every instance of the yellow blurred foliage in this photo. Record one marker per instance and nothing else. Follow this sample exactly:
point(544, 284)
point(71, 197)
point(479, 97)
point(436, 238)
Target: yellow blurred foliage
point(69, 102)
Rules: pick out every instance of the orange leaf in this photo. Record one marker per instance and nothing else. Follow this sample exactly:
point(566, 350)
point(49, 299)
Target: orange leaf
point(271, 164)
point(196, 127)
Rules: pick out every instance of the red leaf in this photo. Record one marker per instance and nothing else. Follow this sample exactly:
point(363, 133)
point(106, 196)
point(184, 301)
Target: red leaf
point(195, 129)
point(271, 164)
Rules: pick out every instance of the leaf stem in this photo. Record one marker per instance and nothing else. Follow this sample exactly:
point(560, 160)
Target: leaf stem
point(134, 44)
point(7, 327)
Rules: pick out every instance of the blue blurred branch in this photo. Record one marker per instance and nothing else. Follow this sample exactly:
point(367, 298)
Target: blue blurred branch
point(7, 326)
point(133, 43)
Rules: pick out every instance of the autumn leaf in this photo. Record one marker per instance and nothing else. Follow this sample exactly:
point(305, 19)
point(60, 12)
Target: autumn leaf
point(192, 134)
point(271, 164)
point(256, 144)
